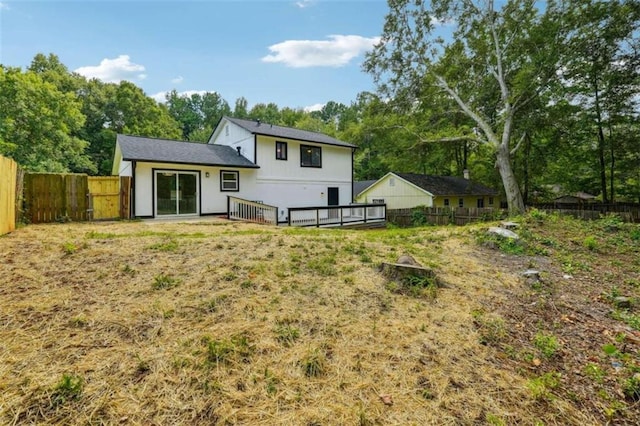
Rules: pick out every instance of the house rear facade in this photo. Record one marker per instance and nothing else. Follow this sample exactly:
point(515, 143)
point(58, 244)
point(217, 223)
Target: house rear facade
point(274, 165)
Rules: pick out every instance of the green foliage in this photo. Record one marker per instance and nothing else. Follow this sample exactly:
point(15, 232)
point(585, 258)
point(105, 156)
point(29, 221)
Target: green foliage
point(39, 124)
point(170, 245)
point(418, 218)
point(541, 387)
point(163, 282)
point(594, 372)
point(68, 388)
point(590, 243)
point(631, 387)
point(69, 248)
point(323, 265)
point(236, 348)
point(286, 334)
point(547, 344)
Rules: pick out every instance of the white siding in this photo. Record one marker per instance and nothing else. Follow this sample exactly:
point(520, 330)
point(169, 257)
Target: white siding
point(284, 183)
point(234, 136)
point(211, 198)
point(396, 193)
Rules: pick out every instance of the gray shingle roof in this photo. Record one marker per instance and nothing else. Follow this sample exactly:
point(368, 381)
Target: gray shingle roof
point(447, 185)
point(137, 148)
point(360, 186)
point(267, 129)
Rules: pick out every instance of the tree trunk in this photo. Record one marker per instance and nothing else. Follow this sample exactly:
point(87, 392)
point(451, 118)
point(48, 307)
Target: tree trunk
point(612, 166)
point(527, 153)
point(511, 188)
point(601, 143)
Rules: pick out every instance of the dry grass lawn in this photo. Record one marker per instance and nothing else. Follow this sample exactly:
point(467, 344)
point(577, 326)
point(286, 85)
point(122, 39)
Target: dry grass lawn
point(171, 323)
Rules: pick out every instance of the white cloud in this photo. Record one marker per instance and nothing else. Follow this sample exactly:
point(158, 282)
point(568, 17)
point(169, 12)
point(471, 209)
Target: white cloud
point(304, 3)
point(335, 52)
point(161, 96)
point(442, 22)
point(314, 107)
point(179, 79)
point(114, 70)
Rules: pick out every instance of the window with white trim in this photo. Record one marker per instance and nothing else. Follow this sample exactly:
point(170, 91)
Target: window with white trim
point(229, 181)
point(378, 201)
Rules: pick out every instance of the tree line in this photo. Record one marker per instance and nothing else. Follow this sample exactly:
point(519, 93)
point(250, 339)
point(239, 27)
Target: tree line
point(528, 96)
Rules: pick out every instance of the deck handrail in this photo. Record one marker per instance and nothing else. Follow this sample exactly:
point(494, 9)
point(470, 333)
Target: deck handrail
point(251, 211)
point(336, 215)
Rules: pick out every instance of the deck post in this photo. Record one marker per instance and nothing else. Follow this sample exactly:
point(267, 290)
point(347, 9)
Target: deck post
point(318, 218)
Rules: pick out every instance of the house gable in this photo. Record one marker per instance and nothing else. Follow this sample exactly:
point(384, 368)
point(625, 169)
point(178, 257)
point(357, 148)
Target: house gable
point(396, 192)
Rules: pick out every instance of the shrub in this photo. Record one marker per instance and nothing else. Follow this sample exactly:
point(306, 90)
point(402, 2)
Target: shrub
point(590, 243)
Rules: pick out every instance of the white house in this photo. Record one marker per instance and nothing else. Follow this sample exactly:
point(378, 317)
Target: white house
point(275, 165)
point(408, 190)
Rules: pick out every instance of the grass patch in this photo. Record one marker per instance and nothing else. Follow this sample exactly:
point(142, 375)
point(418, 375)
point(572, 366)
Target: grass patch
point(164, 282)
point(69, 388)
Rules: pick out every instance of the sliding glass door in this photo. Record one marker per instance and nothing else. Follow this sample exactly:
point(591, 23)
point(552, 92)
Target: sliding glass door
point(176, 193)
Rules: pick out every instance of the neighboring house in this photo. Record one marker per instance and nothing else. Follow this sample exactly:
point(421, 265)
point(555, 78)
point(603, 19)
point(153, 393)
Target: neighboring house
point(577, 198)
point(407, 190)
point(360, 186)
point(279, 166)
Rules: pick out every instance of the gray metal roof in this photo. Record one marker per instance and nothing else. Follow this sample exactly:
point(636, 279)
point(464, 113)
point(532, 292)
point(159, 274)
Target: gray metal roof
point(447, 185)
point(267, 129)
point(359, 186)
point(137, 148)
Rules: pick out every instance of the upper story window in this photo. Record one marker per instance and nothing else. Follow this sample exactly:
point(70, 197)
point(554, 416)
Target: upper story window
point(229, 181)
point(281, 150)
point(310, 156)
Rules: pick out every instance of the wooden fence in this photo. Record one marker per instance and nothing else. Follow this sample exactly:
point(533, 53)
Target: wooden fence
point(108, 197)
point(628, 212)
point(8, 175)
point(50, 197)
point(443, 215)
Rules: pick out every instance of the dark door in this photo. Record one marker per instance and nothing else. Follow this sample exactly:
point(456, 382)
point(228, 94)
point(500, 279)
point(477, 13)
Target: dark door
point(333, 199)
point(333, 196)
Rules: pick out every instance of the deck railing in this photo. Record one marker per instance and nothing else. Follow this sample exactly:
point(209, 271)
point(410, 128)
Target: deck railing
point(337, 215)
point(251, 211)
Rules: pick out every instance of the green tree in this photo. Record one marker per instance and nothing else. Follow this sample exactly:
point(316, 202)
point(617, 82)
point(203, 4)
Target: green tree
point(495, 63)
point(37, 124)
point(601, 76)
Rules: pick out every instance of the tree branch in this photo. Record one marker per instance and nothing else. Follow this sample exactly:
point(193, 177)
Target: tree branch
point(515, 148)
point(486, 128)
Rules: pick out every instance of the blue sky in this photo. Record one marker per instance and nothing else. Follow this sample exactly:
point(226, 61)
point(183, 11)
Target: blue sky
point(296, 53)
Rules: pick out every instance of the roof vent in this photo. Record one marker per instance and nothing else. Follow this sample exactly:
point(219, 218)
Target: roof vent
point(239, 148)
point(258, 121)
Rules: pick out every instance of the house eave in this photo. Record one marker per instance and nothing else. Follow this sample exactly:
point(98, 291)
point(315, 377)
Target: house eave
point(143, 160)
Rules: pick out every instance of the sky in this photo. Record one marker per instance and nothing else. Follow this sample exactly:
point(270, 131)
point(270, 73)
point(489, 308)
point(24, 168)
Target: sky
point(295, 53)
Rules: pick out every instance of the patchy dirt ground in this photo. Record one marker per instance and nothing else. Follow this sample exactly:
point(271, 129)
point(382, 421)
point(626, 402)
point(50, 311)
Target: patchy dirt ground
point(228, 323)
